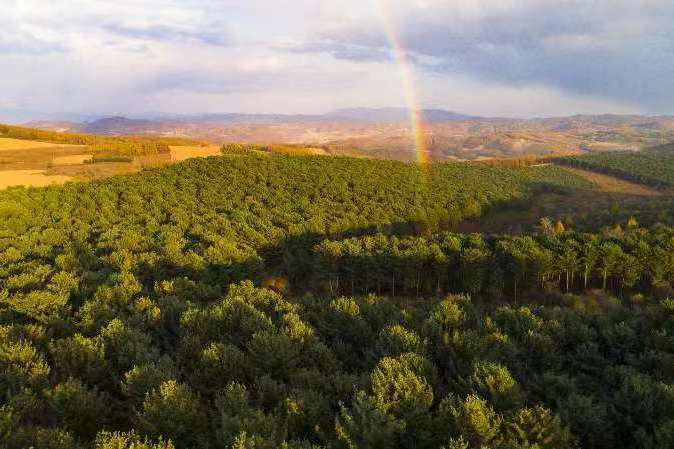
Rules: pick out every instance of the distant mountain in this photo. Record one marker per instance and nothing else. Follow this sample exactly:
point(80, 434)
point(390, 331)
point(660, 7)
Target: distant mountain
point(54, 125)
point(367, 115)
point(116, 126)
point(396, 115)
point(253, 118)
point(385, 133)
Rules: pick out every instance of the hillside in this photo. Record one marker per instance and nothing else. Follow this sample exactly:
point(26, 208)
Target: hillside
point(385, 224)
point(305, 302)
point(653, 168)
point(384, 133)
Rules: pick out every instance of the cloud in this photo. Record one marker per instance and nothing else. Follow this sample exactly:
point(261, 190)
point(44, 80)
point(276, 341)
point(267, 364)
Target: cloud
point(483, 57)
point(168, 33)
point(345, 51)
point(616, 49)
point(19, 37)
point(19, 42)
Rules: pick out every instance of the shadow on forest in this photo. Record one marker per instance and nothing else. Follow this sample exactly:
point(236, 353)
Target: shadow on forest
point(295, 261)
point(587, 209)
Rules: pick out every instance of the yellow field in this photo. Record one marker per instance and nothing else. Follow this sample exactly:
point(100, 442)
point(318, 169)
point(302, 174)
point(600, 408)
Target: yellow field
point(7, 144)
point(182, 153)
point(34, 178)
point(75, 159)
point(316, 151)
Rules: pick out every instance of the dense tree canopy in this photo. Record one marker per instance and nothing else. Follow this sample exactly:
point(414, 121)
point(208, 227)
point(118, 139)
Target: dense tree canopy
point(132, 313)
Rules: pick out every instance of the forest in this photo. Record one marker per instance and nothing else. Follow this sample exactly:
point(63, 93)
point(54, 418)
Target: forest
point(273, 301)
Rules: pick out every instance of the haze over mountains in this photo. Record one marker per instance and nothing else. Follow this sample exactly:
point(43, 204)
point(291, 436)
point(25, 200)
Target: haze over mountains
point(385, 132)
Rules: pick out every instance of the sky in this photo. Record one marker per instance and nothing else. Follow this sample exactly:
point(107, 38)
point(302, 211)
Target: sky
point(512, 58)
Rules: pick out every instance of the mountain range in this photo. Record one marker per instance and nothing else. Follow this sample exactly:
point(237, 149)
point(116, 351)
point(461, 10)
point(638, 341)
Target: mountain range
point(385, 132)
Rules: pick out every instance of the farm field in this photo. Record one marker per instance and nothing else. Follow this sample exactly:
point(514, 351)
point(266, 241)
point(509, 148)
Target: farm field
point(38, 164)
point(36, 158)
point(9, 144)
point(181, 153)
point(33, 178)
point(76, 159)
point(28, 163)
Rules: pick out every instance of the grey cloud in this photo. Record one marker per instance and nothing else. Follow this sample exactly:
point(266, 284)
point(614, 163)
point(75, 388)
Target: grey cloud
point(205, 82)
point(345, 51)
point(608, 48)
point(13, 41)
point(216, 37)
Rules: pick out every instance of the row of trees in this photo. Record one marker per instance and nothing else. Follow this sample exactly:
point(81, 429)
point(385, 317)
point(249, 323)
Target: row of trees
point(275, 148)
point(497, 265)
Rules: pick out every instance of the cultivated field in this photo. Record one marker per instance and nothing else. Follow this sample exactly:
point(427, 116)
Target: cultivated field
point(33, 178)
point(181, 153)
point(37, 164)
point(75, 159)
point(7, 144)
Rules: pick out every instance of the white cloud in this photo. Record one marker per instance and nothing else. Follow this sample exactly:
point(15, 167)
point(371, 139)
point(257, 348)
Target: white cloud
point(488, 57)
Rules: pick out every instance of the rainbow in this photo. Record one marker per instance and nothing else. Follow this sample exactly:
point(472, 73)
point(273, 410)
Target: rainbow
point(408, 82)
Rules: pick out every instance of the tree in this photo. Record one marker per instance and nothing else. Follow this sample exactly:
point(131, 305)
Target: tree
point(559, 228)
point(609, 259)
point(538, 427)
point(79, 409)
point(568, 261)
point(365, 426)
point(402, 387)
point(495, 383)
point(471, 419)
point(121, 440)
point(589, 259)
point(173, 412)
point(546, 226)
point(238, 422)
point(632, 223)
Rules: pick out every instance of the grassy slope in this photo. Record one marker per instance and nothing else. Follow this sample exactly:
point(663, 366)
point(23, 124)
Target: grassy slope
point(652, 169)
